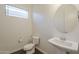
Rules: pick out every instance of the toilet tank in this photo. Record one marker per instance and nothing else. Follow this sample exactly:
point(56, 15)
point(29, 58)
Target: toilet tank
point(36, 40)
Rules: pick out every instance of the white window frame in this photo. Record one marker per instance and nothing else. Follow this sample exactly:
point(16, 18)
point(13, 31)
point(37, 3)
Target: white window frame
point(16, 12)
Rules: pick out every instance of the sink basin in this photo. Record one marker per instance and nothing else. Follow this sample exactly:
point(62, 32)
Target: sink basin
point(71, 45)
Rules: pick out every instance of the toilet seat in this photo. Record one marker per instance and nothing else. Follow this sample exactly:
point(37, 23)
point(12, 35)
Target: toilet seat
point(29, 46)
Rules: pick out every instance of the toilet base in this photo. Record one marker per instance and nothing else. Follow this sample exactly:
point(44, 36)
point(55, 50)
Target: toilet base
point(31, 51)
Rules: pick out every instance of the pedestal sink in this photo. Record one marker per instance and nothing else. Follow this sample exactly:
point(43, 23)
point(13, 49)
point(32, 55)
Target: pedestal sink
point(66, 44)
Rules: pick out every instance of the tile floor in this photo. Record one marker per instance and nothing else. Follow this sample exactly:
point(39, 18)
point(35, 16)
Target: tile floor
point(24, 52)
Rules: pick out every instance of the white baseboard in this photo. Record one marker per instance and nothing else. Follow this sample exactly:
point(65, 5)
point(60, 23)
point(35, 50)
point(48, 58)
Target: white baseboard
point(8, 52)
point(41, 50)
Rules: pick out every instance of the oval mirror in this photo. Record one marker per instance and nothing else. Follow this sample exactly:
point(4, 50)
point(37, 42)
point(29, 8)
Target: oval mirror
point(66, 18)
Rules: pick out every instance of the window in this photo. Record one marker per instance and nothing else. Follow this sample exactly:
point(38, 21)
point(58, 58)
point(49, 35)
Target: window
point(16, 12)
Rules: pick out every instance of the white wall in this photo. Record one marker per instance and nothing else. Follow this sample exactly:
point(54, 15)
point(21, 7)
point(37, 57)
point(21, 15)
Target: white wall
point(13, 29)
point(43, 26)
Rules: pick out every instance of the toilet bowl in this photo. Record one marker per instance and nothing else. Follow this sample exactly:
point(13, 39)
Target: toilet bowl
point(30, 48)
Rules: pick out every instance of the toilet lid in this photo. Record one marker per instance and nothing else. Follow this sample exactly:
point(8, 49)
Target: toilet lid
point(29, 46)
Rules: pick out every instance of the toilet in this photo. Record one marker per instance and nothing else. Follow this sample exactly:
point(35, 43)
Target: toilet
point(30, 48)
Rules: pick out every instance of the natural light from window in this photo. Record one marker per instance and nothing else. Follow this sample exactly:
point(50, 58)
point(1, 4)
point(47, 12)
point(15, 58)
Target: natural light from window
point(16, 12)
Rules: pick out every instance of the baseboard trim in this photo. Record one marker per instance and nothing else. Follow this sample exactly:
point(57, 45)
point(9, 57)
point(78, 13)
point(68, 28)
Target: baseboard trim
point(41, 50)
point(9, 52)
